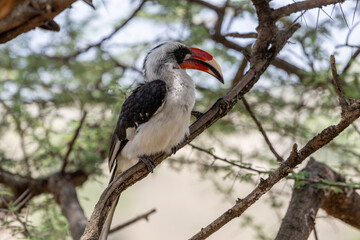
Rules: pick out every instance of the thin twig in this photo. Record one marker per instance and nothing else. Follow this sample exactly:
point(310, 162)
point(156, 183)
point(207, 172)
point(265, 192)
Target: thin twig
point(342, 100)
point(261, 129)
point(351, 61)
point(140, 217)
point(109, 36)
point(17, 217)
point(72, 141)
point(356, 128)
point(226, 160)
point(241, 35)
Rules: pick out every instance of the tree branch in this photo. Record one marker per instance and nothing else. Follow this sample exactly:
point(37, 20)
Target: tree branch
point(29, 15)
point(227, 161)
point(262, 131)
point(337, 85)
point(65, 195)
point(305, 202)
point(295, 158)
point(109, 36)
point(61, 185)
point(134, 220)
point(72, 142)
point(277, 62)
point(241, 35)
point(301, 6)
point(351, 61)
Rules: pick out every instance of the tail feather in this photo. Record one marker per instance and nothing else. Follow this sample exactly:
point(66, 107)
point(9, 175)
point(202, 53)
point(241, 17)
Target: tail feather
point(106, 228)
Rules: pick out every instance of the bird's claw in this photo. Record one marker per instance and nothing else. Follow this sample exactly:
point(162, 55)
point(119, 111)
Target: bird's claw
point(197, 114)
point(175, 149)
point(149, 162)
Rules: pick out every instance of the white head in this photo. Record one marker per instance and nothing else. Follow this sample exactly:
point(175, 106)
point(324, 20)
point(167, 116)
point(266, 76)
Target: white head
point(174, 55)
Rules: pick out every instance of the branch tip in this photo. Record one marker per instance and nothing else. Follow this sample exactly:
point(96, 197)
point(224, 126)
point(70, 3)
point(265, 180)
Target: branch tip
point(337, 84)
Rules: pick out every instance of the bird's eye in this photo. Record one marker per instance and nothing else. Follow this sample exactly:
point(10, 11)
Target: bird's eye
point(180, 54)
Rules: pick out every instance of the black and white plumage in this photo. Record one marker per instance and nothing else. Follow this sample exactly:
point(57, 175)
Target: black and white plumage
point(141, 105)
point(156, 116)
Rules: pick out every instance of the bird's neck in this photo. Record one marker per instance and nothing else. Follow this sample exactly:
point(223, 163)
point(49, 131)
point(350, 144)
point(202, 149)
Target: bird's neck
point(179, 80)
point(180, 88)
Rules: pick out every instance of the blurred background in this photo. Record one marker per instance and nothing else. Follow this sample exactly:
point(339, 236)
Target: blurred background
point(50, 79)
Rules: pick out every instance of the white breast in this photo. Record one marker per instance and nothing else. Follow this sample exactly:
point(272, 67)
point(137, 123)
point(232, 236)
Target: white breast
point(169, 126)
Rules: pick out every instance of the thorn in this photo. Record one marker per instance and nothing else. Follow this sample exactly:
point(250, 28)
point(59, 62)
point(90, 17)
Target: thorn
point(262, 180)
point(89, 2)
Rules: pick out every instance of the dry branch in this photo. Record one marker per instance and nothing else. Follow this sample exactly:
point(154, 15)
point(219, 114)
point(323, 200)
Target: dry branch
point(337, 84)
point(72, 142)
point(232, 163)
point(262, 131)
point(134, 220)
point(299, 220)
point(109, 36)
point(29, 15)
point(65, 195)
point(301, 6)
point(295, 158)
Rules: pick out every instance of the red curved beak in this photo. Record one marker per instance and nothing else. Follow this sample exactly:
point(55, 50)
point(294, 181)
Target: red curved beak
point(202, 61)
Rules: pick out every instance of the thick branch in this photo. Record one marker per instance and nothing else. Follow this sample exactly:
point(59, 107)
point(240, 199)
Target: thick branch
point(277, 62)
point(28, 16)
point(267, 30)
point(299, 220)
point(301, 6)
point(65, 195)
point(290, 68)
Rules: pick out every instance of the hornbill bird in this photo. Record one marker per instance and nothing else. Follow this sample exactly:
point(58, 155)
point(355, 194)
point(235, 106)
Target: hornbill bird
point(156, 116)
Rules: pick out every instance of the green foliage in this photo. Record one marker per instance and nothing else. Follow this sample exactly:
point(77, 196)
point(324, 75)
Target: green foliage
point(300, 178)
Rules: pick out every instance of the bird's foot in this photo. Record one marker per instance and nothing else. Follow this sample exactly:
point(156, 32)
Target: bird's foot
point(149, 162)
point(197, 114)
point(175, 148)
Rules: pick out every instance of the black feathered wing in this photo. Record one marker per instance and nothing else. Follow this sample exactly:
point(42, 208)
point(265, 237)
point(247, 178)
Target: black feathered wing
point(138, 108)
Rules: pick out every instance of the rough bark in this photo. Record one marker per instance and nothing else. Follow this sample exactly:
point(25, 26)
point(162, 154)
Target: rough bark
point(305, 202)
point(28, 15)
